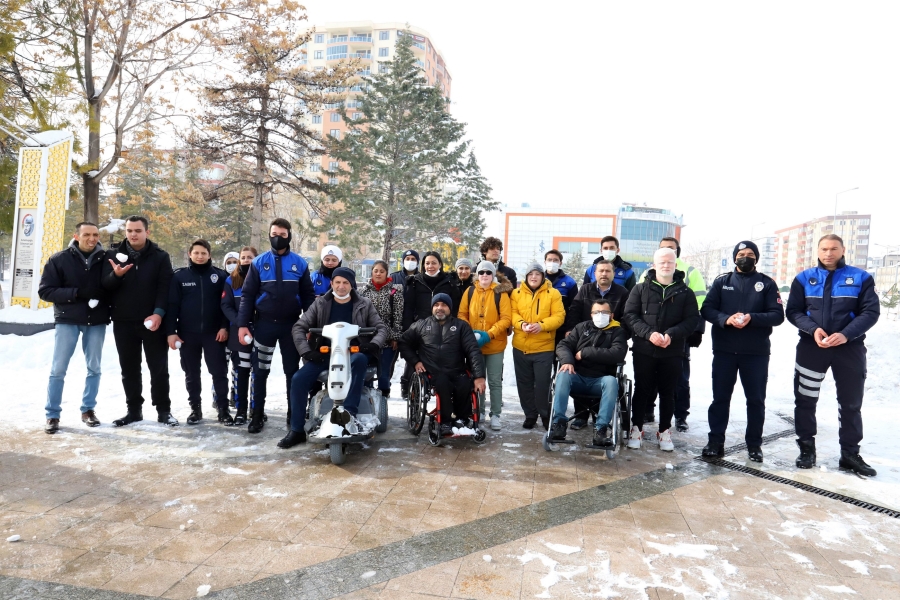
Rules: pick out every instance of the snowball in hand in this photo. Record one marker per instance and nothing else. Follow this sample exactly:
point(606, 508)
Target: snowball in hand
point(93, 303)
point(148, 323)
point(178, 345)
point(248, 338)
point(121, 257)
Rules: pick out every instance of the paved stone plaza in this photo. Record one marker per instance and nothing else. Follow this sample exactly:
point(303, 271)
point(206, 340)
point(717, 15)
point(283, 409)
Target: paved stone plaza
point(151, 511)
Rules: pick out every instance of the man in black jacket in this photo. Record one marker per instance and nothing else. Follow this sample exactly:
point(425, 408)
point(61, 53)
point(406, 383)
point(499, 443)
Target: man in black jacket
point(604, 287)
point(588, 360)
point(743, 306)
point(196, 325)
point(661, 313)
point(445, 347)
point(491, 248)
point(137, 274)
point(71, 281)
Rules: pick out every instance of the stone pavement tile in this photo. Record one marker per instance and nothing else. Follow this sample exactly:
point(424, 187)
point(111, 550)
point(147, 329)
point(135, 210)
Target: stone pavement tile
point(34, 560)
point(149, 577)
point(800, 559)
point(599, 539)
point(131, 510)
point(326, 532)
point(566, 583)
point(89, 534)
point(420, 594)
point(700, 489)
point(545, 491)
point(660, 522)
point(263, 575)
point(372, 592)
point(372, 535)
point(621, 516)
point(714, 528)
point(230, 519)
point(693, 507)
point(436, 580)
point(750, 583)
point(406, 515)
point(658, 503)
point(85, 506)
point(39, 500)
point(748, 512)
point(172, 517)
point(297, 556)
point(190, 547)
point(438, 517)
point(812, 585)
point(277, 526)
point(348, 510)
point(488, 581)
point(218, 578)
point(871, 589)
point(40, 527)
point(93, 569)
point(512, 489)
point(249, 554)
point(859, 561)
point(460, 501)
point(493, 504)
point(137, 540)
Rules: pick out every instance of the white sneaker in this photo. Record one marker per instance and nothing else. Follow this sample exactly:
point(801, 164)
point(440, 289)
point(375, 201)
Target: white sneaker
point(634, 440)
point(495, 422)
point(665, 441)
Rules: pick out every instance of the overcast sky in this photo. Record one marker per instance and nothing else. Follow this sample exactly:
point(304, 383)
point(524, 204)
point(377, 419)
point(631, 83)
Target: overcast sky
point(730, 114)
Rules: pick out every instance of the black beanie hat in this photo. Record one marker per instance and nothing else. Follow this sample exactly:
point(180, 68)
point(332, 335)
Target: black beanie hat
point(742, 246)
point(346, 273)
point(442, 297)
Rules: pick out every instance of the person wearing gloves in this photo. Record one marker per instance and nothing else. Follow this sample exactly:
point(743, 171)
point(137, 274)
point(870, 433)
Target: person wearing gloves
point(332, 258)
point(588, 359)
point(661, 313)
point(486, 307)
point(196, 326)
point(410, 268)
point(387, 297)
point(71, 281)
point(445, 347)
point(462, 278)
point(341, 304)
point(240, 353)
point(537, 312)
point(742, 307)
point(833, 305)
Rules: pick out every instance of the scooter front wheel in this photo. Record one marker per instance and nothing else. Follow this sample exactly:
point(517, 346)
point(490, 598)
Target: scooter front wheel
point(338, 453)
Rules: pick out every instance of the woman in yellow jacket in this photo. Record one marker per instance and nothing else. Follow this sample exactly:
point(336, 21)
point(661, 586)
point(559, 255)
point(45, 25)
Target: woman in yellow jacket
point(486, 307)
point(537, 312)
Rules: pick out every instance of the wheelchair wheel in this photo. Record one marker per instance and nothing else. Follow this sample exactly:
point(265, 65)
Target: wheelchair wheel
point(338, 453)
point(625, 413)
point(480, 437)
point(382, 413)
point(616, 433)
point(416, 405)
point(434, 432)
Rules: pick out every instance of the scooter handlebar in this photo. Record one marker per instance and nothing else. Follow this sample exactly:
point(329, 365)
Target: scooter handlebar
point(362, 330)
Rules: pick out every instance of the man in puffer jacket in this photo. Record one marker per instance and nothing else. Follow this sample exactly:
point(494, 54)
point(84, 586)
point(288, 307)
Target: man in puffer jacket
point(537, 312)
point(588, 359)
point(661, 313)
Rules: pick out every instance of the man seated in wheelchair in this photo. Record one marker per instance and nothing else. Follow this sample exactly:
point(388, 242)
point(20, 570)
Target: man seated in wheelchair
point(340, 304)
point(445, 347)
point(588, 359)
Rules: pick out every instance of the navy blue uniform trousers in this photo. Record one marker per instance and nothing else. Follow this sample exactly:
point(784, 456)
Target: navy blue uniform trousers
point(266, 335)
point(754, 372)
point(192, 347)
point(848, 367)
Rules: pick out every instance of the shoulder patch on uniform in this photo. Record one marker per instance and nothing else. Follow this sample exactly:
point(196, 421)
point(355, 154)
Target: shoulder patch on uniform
point(266, 266)
point(848, 281)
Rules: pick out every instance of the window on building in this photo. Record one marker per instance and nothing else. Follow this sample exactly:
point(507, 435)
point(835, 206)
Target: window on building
point(647, 231)
point(312, 245)
point(335, 133)
point(337, 52)
point(384, 67)
point(569, 247)
point(593, 247)
point(317, 119)
point(317, 54)
point(320, 38)
point(332, 181)
point(335, 118)
point(332, 165)
point(315, 167)
point(383, 52)
point(357, 115)
point(384, 35)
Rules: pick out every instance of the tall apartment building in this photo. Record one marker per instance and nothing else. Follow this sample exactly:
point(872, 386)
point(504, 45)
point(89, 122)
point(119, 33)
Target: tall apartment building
point(796, 246)
point(372, 46)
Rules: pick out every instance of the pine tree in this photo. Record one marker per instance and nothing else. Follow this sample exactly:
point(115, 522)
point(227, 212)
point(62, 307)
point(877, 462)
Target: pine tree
point(575, 266)
point(406, 176)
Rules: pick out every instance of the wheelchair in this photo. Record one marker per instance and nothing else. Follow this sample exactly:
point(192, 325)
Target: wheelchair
point(421, 391)
point(621, 418)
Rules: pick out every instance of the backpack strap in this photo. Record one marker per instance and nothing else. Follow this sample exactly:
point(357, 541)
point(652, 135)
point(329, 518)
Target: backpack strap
point(471, 293)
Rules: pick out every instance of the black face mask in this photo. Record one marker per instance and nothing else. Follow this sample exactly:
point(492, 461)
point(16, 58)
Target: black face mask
point(280, 243)
point(244, 269)
point(745, 264)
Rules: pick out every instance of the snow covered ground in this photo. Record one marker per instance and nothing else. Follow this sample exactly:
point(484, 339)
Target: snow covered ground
point(25, 364)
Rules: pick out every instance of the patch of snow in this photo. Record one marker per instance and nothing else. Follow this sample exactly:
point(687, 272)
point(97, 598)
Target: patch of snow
point(487, 558)
point(14, 538)
point(682, 549)
point(799, 558)
point(727, 492)
point(670, 466)
point(508, 445)
point(203, 590)
point(390, 450)
point(562, 549)
point(838, 589)
point(172, 502)
point(20, 314)
point(857, 565)
point(368, 575)
point(234, 471)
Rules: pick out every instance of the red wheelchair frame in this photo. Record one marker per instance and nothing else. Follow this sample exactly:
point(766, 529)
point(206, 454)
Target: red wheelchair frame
point(421, 390)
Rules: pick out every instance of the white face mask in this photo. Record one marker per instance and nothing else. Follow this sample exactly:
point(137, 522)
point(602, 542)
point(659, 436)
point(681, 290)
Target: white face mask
point(600, 321)
point(609, 255)
point(410, 265)
point(229, 268)
point(341, 297)
point(551, 267)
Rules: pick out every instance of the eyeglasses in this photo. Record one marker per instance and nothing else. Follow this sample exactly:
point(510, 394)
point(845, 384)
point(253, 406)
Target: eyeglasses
point(600, 312)
point(485, 273)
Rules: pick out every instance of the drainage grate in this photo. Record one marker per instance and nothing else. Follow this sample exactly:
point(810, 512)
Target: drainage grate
point(719, 462)
point(765, 440)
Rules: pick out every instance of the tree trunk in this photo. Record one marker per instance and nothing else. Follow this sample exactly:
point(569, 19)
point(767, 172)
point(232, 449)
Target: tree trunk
point(91, 200)
point(388, 239)
point(91, 183)
point(259, 175)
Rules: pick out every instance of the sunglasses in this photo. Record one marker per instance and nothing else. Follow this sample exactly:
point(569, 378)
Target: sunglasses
point(485, 273)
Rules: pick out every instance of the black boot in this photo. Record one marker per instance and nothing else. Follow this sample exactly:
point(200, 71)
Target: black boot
point(167, 418)
point(196, 414)
point(852, 461)
point(681, 425)
point(603, 437)
point(134, 415)
point(755, 453)
point(256, 420)
point(558, 431)
point(292, 439)
point(807, 458)
point(529, 422)
point(225, 416)
point(713, 450)
point(240, 418)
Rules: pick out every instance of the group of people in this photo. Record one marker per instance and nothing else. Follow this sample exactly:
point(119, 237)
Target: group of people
point(455, 325)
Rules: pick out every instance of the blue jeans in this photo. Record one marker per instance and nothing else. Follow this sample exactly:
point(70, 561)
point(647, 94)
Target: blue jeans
point(92, 337)
point(606, 387)
point(303, 379)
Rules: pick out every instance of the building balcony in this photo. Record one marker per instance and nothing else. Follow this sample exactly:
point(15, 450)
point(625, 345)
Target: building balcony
point(360, 39)
point(338, 39)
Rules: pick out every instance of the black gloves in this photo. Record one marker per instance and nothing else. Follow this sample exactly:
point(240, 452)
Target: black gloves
point(695, 339)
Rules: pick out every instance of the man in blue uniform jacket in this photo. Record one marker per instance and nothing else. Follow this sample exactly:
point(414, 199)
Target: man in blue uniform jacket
point(743, 306)
point(833, 305)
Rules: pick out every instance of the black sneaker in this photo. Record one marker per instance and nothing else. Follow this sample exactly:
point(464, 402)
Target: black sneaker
point(257, 422)
point(529, 422)
point(603, 437)
point(807, 458)
point(755, 453)
point(168, 419)
point(225, 417)
point(446, 429)
point(133, 416)
point(681, 425)
point(292, 439)
point(852, 461)
point(558, 431)
point(196, 414)
point(713, 450)
point(52, 426)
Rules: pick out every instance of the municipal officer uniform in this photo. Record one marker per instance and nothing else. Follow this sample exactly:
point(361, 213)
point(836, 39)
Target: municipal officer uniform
point(742, 351)
point(840, 301)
